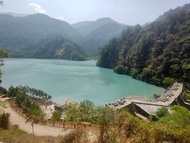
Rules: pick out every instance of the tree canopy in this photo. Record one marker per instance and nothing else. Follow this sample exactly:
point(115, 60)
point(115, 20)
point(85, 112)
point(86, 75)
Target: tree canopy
point(29, 106)
point(157, 53)
point(3, 53)
point(12, 92)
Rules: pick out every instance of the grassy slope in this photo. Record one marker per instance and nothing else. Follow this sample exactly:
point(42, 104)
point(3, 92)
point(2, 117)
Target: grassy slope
point(18, 136)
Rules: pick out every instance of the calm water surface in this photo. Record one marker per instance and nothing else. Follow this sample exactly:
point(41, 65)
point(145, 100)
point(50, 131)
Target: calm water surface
point(74, 80)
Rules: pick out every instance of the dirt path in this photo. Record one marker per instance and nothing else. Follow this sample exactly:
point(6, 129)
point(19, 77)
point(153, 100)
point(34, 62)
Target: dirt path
point(39, 130)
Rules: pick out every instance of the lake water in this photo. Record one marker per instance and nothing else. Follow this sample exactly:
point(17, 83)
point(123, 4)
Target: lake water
point(74, 80)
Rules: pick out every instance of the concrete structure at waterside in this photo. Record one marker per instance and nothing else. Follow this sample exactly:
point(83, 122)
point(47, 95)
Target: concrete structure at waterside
point(143, 107)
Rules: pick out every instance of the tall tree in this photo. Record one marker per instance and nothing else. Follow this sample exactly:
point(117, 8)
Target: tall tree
point(86, 108)
point(2, 53)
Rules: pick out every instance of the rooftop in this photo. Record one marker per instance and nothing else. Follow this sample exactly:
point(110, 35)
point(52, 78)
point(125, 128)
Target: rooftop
point(164, 100)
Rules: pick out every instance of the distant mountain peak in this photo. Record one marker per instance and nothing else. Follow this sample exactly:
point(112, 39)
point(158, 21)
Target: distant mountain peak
point(14, 14)
point(106, 19)
point(86, 27)
point(39, 15)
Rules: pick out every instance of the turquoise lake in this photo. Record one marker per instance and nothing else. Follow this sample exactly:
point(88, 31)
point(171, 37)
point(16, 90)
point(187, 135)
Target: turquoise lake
point(78, 81)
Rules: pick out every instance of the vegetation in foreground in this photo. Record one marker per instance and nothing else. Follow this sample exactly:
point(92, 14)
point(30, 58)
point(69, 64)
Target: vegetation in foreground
point(127, 129)
point(112, 126)
point(15, 135)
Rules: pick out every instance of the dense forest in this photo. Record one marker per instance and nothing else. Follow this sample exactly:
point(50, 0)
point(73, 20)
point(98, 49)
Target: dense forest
point(157, 53)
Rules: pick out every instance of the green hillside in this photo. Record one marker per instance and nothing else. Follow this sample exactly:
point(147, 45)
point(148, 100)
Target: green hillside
point(156, 53)
point(60, 48)
point(97, 33)
point(22, 36)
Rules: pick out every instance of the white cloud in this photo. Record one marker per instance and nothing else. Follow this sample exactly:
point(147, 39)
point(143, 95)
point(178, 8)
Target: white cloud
point(37, 8)
point(60, 18)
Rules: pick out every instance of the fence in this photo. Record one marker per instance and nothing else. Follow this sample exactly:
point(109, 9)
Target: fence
point(65, 125)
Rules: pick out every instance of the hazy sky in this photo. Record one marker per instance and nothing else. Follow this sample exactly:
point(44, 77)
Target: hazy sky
point(130, 12)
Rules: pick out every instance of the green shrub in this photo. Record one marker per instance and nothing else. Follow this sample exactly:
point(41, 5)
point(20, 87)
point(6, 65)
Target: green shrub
point(186, 95)
point(168, 81)
point(134, 73)
point(4, 121)
point(3, 90)
point(56, 116)
point(120, 69)
point(161, 112)
point(76, 136)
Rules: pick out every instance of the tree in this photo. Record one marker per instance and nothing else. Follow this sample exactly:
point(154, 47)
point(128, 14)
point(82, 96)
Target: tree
point(186, 95)
point(4, 120)
point(2, 52)
point(3, 90)
point(19, 99)
point(30, 107)
point(86, 108)
point(32, 91)
point(161, 112)
point(72, 113)
point(168, 81)
point(49, 97)
point(26, 105)
point(56, 116)
point(134, 72)
point(120, 69)
point(12, 92)
point(36, 114)
point(105, 118)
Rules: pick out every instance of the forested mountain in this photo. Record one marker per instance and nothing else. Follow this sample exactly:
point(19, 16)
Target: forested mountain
point(157, 53)
point(60, 48)
point(98, 33)
point(21, 36)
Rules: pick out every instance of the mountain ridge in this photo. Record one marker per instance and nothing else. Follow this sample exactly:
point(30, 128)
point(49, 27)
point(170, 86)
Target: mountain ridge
point(88, 26)
point(21, 36)
point(155, 53)
point(97, 33)
point(14, 14)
